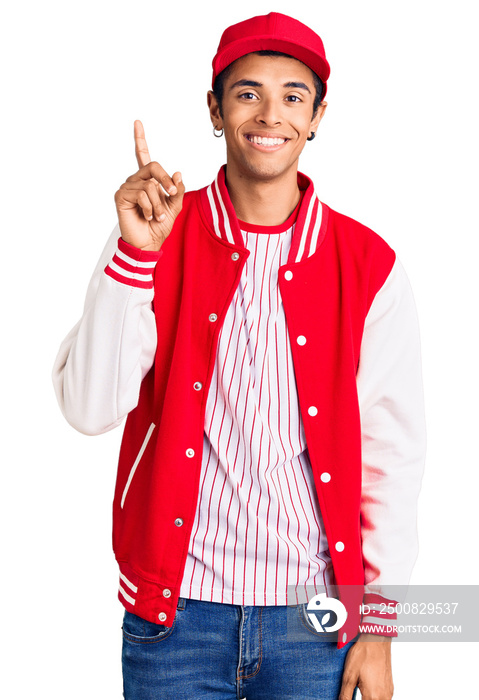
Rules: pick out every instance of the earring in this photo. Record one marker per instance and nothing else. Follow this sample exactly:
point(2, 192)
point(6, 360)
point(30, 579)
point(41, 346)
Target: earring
point(310, 138)
point(219, 134)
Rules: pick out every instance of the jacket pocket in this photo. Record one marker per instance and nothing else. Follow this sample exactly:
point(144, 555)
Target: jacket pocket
point(137, 461)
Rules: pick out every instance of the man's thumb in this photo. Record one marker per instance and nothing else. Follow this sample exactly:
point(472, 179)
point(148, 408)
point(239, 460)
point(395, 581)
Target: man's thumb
point(176, 200)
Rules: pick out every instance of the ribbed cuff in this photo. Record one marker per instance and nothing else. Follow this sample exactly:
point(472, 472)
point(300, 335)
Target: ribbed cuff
point(379, 615)
point(133, 266)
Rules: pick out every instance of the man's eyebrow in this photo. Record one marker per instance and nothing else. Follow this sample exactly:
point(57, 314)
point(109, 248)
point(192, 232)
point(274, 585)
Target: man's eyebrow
point(302, 86)
point(246, 83)
point(254, 83)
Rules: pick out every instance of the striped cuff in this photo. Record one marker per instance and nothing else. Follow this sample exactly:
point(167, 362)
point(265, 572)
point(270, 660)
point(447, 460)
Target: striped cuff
point(133, 266)
point(128, 587)
point(379, 615)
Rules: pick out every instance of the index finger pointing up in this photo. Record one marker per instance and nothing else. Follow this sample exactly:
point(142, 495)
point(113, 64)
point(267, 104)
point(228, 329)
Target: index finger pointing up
point(141, 149)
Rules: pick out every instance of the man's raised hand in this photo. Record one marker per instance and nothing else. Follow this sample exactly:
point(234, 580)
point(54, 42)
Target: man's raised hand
point(149, 201)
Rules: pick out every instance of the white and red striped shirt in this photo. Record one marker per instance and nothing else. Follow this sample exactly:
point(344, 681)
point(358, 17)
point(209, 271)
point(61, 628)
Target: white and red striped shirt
point(258, 528)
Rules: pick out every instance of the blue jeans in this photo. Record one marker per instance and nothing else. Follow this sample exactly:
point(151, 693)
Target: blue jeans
point(218, 651)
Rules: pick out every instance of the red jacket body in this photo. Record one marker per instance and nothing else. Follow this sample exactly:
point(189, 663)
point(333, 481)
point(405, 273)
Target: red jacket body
point(327, 294)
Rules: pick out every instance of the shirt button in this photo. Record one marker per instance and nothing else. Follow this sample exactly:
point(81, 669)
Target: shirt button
point(167, 592)
point(162, 617)
point(301, 340)
point(179, 522)
point(345, 636)
point(325, 477)
point(190, 452)
point(339, 546)
point(313, 411)
point(288, 275)
point(235, 256)
point(197, 386)
point(213, 317)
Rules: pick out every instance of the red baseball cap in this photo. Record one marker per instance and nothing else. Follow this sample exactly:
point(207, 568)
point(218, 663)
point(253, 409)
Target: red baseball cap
point(272, 32)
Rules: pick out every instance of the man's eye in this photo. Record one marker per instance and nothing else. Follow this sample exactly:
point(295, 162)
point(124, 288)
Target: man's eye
point(248, 95)
point(293, 98)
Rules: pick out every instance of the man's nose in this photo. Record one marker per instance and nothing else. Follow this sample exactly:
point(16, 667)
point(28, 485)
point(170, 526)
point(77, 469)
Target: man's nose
point(269, 113)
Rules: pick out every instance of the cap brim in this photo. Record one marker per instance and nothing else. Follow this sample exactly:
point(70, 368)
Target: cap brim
point(244, 46)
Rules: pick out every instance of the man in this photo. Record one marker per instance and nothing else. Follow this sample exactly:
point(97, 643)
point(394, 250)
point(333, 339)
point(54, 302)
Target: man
point(265, 349)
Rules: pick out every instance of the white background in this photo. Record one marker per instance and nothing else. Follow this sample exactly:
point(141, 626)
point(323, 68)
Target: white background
point(397, 150)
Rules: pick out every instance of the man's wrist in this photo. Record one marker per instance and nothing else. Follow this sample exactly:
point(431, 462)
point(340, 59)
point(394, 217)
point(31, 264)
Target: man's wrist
point(369, 637)
point(151, 248)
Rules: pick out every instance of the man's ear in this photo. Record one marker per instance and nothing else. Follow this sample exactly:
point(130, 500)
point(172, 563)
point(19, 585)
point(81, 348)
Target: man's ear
point(318, 116)
point(214, 108)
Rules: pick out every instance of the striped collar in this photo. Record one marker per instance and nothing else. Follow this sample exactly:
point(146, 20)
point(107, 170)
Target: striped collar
point(309, 230)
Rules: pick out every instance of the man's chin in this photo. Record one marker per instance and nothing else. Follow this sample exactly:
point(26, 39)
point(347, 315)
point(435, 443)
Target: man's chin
point(265, 171)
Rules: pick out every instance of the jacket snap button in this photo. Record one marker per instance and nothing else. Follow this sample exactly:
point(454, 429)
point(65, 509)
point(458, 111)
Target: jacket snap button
point(345, 636)
point(313, 411)
point(162, 617)
point(190, 452)
point(179, 522)
point(197, 386)
point(235, 256)
point(288, 275)
point(301, 340)
point(325, 477)
point(339, 546)
point(213, 317)
point(167, 592)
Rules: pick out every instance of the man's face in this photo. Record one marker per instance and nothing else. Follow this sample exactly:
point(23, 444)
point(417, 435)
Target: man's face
point(267, 115)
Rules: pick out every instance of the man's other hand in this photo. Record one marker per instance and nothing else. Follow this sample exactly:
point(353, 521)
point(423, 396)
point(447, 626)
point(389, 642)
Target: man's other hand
point(368, 666)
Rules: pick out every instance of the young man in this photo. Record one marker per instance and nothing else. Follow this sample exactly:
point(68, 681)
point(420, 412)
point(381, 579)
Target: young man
point(265, 349)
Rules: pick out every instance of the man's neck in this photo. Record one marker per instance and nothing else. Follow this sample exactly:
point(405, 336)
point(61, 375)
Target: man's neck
point(263, 202)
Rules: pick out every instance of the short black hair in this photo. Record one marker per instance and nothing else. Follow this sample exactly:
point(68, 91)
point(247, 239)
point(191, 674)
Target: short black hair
point(219, 84)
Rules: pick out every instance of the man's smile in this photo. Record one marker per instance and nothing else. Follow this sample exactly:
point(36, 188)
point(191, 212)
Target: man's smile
point(266, 142)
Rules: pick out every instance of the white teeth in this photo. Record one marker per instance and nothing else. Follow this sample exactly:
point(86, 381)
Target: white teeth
point(263, 141)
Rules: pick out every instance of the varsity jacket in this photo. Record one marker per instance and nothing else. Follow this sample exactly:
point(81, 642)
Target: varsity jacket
point(145, 348)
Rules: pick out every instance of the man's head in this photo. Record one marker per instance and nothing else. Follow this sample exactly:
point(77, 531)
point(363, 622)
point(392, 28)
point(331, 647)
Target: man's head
point(269, 80)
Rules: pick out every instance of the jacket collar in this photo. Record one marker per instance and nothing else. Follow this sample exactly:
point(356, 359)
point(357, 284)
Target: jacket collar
point(310, 227)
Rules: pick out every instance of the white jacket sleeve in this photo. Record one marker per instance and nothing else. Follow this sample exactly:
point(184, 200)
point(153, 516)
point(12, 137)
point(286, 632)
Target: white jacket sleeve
point(102, 361)
point(393, 433)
